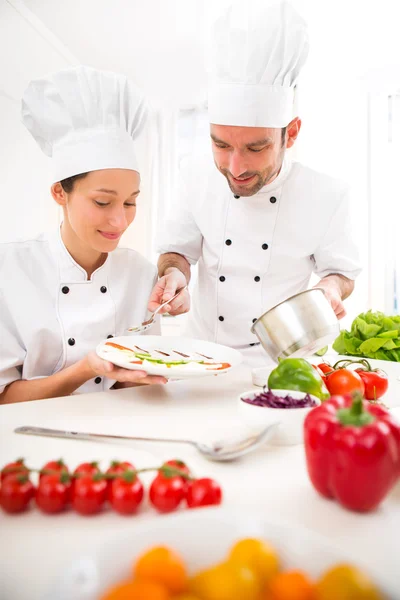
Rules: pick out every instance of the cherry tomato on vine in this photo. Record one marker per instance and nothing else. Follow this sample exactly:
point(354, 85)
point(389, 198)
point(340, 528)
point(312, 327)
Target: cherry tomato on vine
point(53, 492)
point(53, 467)
point(16, 492)
point(203, 492)
point(125, 494)
point(344, 381)
point(117, 467)
point(166, 493)
point(89, 494)
point(375, 381)
point(17, 466)
point(87, 468)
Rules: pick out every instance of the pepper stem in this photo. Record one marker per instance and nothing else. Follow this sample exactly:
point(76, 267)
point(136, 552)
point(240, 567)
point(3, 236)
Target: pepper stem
point(355, 415)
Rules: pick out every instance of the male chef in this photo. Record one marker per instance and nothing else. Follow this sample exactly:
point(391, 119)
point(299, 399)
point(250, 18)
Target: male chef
point(256, 223)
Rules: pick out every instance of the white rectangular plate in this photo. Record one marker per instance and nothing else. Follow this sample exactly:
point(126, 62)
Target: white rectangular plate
point(175, 347)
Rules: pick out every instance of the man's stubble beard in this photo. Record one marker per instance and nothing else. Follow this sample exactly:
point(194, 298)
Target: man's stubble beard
point(262, 178)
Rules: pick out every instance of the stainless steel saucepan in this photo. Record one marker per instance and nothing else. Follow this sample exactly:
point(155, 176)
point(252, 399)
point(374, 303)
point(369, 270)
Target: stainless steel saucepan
point(297, 327)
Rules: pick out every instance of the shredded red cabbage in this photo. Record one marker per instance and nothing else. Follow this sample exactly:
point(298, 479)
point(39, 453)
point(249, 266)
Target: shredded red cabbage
point(268, 398)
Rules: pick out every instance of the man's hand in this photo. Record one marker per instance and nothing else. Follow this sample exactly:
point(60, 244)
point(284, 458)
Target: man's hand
point(107, 369)
point(335, 300)
point(336, 288)
point(166, 287)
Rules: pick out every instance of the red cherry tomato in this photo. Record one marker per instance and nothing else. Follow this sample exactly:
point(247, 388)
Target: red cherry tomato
point(320, 373)
point(325, 367)
point(376, 383)
point(16, 492)
point(53, 467)
point(176, 463)
point(17, 466)
point(203, 492)
point(53, 494)
point(166, 493)
point(87, 469)
point(116, 467)
point(125, 494)
point(89, 494)
point(344, 381)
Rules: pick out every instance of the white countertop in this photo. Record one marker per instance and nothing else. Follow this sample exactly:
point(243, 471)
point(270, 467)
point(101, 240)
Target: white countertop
point(34, 547)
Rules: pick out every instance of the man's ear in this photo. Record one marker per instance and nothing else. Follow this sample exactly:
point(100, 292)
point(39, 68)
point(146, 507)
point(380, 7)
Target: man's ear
point(58, 193)
point(292, 131)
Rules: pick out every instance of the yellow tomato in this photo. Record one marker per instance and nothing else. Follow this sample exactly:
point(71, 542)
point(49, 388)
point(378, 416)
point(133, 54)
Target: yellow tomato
point(226, 581)
point(187, 596)
point(258, 556)
point(291, 585)
point(347, 583)
point(137, 590)
point(162, 566)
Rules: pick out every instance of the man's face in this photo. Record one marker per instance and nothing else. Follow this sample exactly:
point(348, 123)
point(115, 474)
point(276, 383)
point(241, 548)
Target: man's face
point(249, 157)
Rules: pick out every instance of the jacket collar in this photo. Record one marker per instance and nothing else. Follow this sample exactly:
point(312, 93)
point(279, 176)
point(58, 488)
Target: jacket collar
point(280, 179)
point(69, 270)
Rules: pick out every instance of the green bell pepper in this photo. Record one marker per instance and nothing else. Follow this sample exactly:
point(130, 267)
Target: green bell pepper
point(298, 374)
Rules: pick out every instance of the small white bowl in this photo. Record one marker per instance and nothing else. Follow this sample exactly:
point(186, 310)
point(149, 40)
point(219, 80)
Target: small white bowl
point(260, 375)
point(289, 432)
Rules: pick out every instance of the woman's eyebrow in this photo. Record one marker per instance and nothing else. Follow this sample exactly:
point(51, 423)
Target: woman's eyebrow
point(106, 191)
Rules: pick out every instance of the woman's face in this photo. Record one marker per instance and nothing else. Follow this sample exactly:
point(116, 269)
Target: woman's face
point(100, 207)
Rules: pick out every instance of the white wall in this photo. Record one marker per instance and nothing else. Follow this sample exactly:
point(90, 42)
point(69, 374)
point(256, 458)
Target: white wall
point(26, 205)
point(354, 59)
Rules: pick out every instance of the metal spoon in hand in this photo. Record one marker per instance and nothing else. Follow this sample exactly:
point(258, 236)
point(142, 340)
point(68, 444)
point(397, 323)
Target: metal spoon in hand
point(150, 322)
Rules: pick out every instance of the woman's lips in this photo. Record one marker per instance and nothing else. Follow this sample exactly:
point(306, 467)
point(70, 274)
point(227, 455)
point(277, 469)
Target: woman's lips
point(109, 235)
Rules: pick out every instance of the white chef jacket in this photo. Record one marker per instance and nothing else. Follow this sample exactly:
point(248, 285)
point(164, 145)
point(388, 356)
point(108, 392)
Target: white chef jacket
point(51, 315)
point(254, 252)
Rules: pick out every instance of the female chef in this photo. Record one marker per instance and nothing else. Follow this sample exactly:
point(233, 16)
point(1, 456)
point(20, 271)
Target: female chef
point(62, 293)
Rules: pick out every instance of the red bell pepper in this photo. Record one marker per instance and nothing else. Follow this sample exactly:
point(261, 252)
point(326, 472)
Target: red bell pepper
point(352, 451)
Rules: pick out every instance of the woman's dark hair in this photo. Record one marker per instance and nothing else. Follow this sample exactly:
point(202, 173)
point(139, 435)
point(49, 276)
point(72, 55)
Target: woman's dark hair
point(68, 183)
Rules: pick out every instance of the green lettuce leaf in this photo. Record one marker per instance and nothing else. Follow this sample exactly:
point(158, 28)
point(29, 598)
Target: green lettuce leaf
point(372, 345)
point(365, 329)
point(373, 335)
point(392, 333)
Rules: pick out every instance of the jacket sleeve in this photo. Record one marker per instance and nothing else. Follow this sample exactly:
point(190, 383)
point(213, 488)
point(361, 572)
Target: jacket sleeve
point(12, 351)
point(338, 252)
point(180, 233)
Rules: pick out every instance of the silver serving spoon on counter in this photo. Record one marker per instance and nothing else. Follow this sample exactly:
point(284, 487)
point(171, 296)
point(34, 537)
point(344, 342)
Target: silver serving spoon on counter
point(150, 322)
point(218, 451)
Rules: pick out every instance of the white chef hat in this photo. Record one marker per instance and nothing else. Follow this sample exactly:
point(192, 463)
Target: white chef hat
point(85, 120)
point(257, 50)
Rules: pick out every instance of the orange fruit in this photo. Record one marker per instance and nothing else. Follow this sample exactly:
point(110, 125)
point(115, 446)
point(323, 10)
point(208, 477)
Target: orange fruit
point(347, 583)
point(291, 585)
point(137, 590)
point(226, 581)
point(259, 556)
point(163, 566)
